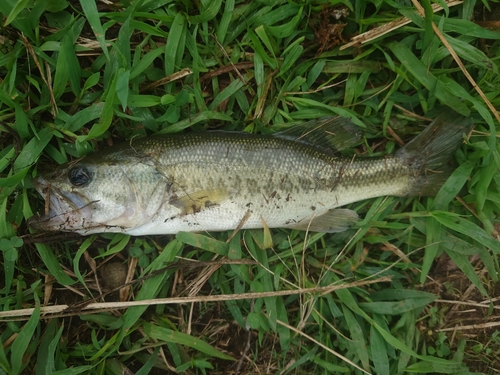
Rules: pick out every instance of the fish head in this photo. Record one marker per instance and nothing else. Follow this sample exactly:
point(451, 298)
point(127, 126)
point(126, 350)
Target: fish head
point(87, 197)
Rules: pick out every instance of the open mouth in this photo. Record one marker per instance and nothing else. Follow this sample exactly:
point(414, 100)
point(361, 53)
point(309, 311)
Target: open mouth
point(63, 211)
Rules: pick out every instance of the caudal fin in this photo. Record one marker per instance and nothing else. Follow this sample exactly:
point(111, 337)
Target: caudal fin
point(429, 154)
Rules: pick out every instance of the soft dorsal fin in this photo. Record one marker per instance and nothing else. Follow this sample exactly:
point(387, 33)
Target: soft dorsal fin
point(332, 134)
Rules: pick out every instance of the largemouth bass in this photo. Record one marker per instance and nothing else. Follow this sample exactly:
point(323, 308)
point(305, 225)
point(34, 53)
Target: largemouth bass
point(217, 181)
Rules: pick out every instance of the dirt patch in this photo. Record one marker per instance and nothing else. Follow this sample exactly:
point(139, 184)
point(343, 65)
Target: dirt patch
point(462, 312)
point(328, 26)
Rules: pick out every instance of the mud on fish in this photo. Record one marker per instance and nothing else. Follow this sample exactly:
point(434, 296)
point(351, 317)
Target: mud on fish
point(217, 181)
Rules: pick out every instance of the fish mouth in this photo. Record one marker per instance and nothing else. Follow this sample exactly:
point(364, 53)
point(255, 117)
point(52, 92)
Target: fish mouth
point(64, 211)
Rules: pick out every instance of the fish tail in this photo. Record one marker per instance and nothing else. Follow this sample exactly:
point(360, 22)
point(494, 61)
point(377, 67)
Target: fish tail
point(429, 154)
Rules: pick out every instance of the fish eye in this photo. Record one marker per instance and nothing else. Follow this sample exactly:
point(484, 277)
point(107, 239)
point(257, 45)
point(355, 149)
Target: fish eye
point(79, 176)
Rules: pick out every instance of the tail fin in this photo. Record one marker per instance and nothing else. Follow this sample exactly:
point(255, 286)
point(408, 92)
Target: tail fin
point(429, 154)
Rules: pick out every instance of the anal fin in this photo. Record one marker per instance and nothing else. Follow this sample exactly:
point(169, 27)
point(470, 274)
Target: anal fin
point(336, 220)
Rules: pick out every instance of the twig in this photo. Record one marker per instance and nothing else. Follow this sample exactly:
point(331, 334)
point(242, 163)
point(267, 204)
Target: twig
point(172, 77)
point(390, 26)
point(46, 80)
point(472, 326)
point(395, 136)
point(229, 59)
point(92, 307)
point(227, 69)
point(464, 303)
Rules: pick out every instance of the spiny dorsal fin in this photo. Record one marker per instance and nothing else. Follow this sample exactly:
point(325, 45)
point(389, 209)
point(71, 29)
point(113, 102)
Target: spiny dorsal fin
point(336, 220)
point(332, 134)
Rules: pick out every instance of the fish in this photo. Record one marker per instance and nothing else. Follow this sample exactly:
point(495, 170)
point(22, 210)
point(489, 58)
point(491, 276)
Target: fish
point(218, 181)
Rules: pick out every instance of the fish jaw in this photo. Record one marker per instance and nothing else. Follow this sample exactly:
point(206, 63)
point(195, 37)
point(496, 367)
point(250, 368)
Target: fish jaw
point(67, 211)
point(101, 207)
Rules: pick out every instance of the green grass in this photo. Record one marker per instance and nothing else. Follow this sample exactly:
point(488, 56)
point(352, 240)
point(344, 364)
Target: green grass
point(412, 287)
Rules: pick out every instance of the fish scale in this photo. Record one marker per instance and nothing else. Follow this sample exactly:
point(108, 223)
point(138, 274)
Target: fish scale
point(216, 181)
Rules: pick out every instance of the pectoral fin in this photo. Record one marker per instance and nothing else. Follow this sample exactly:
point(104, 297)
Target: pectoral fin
point(337, 220)
point(197, 201)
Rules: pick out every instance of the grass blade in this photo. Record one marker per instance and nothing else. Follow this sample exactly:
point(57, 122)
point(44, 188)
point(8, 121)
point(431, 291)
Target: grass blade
point(53, 265)
point(467, 228)
point(180, 338)
point(33, 149)
point(106, 114)
point(208, 11)
point(122, 87)
point(18, 8)
point(48, 347)
point(378, 352)
point(358, 336)
point(175, 46)
point(421, 73)
point(453, 185)
point(24, 338)
point(90, 10)
point(463, 262)
point(203, 242)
